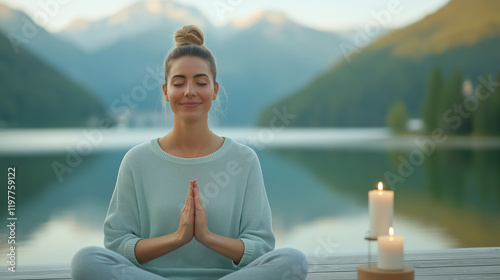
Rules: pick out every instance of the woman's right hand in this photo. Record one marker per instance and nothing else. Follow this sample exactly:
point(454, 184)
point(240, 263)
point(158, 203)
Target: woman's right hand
point(185, 231)
point(151, 248)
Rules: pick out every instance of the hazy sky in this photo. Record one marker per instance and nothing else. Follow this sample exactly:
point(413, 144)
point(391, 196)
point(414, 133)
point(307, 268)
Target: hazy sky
point(324, 14)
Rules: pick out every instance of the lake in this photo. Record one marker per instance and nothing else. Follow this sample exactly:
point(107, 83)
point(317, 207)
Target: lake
point(447, 192)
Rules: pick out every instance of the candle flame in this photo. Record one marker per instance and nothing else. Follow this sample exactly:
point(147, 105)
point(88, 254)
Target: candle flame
point(380, 186)
point(391, 231)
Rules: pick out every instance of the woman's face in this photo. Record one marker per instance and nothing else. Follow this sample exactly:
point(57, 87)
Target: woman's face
point(190, 88)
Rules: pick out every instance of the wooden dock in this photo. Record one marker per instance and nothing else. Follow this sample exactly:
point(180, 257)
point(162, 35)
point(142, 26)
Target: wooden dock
point(452, 264)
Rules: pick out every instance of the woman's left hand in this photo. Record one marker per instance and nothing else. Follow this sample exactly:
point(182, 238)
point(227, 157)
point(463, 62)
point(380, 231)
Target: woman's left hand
point(231, 248)
point(201, 231)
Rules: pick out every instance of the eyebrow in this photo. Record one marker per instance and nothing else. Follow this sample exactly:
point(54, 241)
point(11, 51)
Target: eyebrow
point(196, 76)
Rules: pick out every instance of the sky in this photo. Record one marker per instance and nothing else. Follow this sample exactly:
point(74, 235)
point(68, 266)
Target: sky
point(335, 15)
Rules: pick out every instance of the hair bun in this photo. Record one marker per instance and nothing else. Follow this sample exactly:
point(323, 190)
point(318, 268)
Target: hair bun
point(189, 35)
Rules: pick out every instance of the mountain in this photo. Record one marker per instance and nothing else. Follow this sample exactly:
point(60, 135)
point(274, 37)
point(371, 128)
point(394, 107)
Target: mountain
point(23, 32)
point(34, 94)
point(266, 60)
point(260, 58)
point(462, 35)
point(130, 21)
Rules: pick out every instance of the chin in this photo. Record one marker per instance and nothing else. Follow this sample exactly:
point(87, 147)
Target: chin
point(192, 116)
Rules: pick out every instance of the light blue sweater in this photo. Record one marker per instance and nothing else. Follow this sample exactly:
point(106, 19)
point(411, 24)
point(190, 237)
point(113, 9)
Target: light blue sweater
point(151, 190)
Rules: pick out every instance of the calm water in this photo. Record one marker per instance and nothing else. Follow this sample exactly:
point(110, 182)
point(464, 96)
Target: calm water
point(317, 182)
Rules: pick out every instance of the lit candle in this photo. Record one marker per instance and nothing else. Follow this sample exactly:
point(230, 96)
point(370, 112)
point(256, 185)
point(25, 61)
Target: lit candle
point(381, 207)
point(390, 251)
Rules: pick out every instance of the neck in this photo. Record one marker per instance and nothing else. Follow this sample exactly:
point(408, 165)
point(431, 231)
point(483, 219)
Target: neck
point(190, 136)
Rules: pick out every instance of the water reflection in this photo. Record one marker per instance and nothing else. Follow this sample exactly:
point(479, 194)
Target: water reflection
point(44, 204)
point(318, 197)
point(456, 190)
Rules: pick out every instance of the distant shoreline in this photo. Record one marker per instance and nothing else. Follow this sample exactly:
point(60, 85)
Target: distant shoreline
point(34, 141)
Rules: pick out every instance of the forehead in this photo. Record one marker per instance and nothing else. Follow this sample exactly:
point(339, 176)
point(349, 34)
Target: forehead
point(189, 66)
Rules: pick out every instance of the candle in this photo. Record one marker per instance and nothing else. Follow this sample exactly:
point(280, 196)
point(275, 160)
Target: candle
point(390, 251)
point(381, 207)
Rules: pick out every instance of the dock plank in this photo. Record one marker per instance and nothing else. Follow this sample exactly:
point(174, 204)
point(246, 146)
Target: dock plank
point(456, 264)
point(451, 264)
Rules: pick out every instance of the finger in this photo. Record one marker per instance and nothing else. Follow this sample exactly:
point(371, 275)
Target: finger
point(190, 207)
point(196, 189)
point(187, 206)
point(196, 194)
point(189, 194)
point(198, 202)
point(193, 185)
point(195, 200)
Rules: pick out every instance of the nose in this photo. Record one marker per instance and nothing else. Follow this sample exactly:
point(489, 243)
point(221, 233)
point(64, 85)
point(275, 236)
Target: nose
point(190, 92)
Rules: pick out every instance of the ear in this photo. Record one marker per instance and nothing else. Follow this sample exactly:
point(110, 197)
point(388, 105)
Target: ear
point(216, 90)
point(164, 88)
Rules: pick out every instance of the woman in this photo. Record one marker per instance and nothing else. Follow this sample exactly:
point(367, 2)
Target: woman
point(191, 204)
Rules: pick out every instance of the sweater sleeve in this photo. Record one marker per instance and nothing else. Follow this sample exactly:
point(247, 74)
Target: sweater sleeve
point(122, 223)
point(256, 222)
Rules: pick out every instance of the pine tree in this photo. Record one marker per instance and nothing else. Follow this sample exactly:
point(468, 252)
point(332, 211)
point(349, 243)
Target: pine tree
point(465, 127)
point(431, 100)
point(452, 94)
point(480, 122)
point(397, 117)
point(494, 112)
point(486, 120)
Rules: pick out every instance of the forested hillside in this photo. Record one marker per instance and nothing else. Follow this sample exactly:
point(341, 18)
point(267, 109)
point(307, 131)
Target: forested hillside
point(34, 94)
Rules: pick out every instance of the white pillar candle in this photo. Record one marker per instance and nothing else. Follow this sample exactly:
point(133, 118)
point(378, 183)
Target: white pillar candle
point(381, 208)
point(390, 251)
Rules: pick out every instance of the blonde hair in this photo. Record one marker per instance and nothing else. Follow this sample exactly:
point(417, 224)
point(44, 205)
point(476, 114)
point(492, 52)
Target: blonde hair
point(189, 35)
point(189, 41)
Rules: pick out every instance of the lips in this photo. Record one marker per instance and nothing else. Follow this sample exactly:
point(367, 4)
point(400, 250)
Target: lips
point(190, 104)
